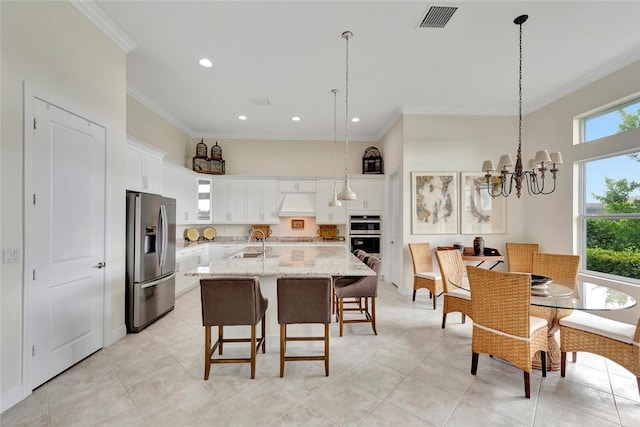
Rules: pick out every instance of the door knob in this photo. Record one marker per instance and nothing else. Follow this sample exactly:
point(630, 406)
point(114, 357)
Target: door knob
point(100, 265)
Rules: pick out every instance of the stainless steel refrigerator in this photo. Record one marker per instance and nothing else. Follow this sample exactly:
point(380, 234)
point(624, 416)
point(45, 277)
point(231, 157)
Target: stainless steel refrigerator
point(151, 258)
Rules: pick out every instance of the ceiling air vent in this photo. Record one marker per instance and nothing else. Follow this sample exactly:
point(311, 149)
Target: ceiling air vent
point(437, 16)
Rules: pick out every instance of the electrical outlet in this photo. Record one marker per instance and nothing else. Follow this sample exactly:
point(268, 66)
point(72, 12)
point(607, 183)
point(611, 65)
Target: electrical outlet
point(10, 255)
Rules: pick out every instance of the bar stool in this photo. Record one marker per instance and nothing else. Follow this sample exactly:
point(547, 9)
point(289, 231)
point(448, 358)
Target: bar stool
point(228, 301)
point(304, 299)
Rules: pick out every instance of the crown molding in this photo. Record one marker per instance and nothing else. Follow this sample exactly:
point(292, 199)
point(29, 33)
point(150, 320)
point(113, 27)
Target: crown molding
point(97, 16)
point(140, 97)
point(588, 78)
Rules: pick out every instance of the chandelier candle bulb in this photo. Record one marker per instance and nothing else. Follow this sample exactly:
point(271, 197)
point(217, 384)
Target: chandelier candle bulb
point(487, 166)
point(542, 156)
point(505, 161)
point(556, 158)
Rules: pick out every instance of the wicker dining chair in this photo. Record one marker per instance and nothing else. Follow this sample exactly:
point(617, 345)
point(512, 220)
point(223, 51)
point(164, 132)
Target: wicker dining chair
point(520, 256)
point(502, 325)
point(614, 340)
point(455, 299)
point(556, 266)
point(423, 275)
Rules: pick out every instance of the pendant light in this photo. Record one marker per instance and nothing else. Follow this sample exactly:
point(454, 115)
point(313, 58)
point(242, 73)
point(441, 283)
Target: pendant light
point(533, 177)
point(334, 202)
point(346, 193)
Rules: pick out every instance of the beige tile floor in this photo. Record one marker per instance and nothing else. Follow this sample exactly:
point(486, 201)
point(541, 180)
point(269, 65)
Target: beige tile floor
point(412, 373)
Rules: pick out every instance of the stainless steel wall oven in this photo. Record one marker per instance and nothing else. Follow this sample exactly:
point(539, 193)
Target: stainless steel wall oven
point(365, 233)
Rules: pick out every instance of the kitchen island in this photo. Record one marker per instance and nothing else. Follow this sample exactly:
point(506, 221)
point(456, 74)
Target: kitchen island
point(276, 261)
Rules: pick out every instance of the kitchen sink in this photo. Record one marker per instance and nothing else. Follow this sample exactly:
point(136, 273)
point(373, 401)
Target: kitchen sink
point(247, 255)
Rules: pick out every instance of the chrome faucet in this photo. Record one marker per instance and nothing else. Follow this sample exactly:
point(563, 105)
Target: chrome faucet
point(264, 238)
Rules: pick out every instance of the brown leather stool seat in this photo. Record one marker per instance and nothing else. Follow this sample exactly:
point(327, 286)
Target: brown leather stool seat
point(231, 301)
point(304, 299)
point(365, 288)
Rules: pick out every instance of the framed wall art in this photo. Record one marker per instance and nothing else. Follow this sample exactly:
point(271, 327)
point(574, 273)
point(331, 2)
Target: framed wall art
point(480, 213)
point(297, 224)
point(434, 202)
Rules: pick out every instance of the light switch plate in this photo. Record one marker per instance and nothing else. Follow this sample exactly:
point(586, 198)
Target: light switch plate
point(10, 255)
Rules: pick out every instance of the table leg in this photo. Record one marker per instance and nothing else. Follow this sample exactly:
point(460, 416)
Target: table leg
point(553, 316)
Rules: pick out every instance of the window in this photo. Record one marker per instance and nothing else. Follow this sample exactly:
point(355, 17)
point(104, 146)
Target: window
point(612, 120)
point(611, 215)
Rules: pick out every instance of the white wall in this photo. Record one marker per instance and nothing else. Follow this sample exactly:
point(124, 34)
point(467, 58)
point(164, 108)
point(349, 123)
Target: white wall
point(146, 125)
point(51, 45)
point(285, 158)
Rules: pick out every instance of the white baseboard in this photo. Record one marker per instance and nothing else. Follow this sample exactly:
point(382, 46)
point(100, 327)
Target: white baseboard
point(13, 396)
point(115, 335)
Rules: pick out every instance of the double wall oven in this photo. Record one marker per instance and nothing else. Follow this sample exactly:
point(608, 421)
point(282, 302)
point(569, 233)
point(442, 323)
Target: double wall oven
point(365, 233)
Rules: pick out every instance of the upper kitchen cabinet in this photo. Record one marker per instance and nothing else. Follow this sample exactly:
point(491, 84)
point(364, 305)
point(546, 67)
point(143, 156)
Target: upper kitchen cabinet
point(262, 201)
point(296, 186)
point(180, 183)
point(229, 200)
point(369, 193)
point(324, 213)
point(144, 167)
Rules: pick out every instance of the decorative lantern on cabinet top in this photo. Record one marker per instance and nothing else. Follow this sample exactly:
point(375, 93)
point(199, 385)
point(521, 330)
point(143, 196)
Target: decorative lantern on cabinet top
point(372, 161)
point(200, 160)
point(216, 163)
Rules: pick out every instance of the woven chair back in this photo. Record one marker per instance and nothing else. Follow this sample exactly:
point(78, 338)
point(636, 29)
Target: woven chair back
point(421, 257)
point(520, 256)
point(500, 300)
point(556, 266)
point(451, 267)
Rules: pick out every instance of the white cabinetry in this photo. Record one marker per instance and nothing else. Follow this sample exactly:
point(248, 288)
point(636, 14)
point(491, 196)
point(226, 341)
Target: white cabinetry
point(296, 186)
point(324, 213)
point(187, 261)
point(262, 201)
point(369, 193)
point(144, 167)
point(185, 195)
point(229, 201)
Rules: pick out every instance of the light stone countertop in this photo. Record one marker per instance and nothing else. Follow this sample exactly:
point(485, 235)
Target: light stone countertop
point(289, 261)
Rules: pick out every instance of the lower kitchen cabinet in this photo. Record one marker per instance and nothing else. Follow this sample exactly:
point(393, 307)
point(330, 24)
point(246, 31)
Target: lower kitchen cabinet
point(189, 259)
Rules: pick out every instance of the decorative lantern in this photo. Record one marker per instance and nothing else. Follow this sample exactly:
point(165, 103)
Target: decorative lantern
point(216, 152)
point(372, 161)
point(216, 163)
point(200, 160)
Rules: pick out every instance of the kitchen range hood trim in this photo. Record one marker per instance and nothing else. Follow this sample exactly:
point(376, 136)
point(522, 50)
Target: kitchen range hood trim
point(298, 204)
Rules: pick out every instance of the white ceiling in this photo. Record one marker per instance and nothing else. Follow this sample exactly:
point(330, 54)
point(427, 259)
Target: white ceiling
point(292, 54)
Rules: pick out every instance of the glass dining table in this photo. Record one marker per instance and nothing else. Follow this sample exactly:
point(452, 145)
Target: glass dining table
point(553, 299)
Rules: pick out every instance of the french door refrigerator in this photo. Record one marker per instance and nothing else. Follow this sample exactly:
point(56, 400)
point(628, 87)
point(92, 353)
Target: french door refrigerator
point(151, 258)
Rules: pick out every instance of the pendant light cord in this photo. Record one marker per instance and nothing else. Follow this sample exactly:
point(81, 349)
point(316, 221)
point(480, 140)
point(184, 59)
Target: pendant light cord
point(335, 127)
point(346, 35)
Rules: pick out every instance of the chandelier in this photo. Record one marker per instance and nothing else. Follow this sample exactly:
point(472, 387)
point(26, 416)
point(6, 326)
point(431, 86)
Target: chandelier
point(535, 174)
point(346, 193)
point(334, 202)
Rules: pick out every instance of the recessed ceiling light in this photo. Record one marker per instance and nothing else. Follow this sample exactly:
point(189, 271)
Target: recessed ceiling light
point(205, 63)
point(295, 118)
point(242, 117)
point(355, 120)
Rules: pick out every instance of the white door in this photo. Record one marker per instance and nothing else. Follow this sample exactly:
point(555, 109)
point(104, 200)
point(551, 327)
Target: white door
point(394, 245)
point(65, 241)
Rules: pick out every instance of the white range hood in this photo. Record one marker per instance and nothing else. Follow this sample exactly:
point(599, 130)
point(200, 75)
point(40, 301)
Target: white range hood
point(298, 204)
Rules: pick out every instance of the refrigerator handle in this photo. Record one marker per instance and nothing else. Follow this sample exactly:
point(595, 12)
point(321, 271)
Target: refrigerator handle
point(164, 234)
point(157, 282)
